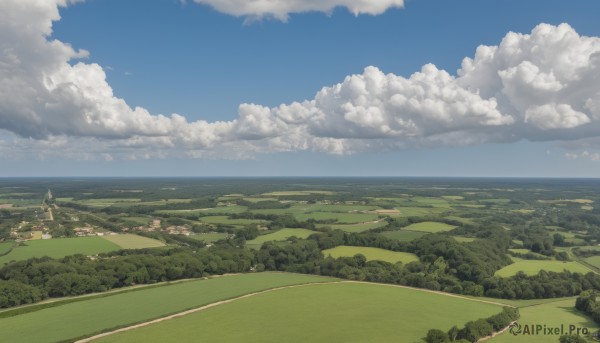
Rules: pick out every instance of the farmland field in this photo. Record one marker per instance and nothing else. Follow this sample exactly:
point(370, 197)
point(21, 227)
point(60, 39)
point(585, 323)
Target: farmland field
point(210, 237)
point(419, 211)
point(429, 227)
point(594, 261)
point(72, 320)
point(5, 247)
point(341, 312)
point(371, 254)
point(551, 314)
point(129, 241)
point(280, 235)
point(228, 221)
point(60, 247)
point(532, 267)
point(340, 217)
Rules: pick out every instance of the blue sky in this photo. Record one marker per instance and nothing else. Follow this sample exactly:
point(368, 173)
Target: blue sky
point(191, 59)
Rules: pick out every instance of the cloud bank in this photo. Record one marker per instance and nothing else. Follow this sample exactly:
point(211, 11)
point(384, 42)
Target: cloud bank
point(281, 9)
point(541, 86)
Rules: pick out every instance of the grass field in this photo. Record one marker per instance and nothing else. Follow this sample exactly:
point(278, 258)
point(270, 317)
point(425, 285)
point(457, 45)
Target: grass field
point(66, 322)
point(5, 247)
point(551, 314)
point(371, 254)
point(532, 267)
point(340, 217)
point(280, 235)
point(462, 239)
point(284, 193)
point(594, 261)
point(129, 241)
point(60, 247)
point(429, 227)
point(341, 312)
point(355, 227)
point(419, 211)
point(403, 236)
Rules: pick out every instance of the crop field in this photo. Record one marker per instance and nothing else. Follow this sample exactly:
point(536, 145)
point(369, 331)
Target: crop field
point(210, 237)
point(340, 312)
point(371, 254)
point(355, 227)
point(429, 227)
point(403, 236)
point(280, 235)
point(532, 267)
point(551, 314)
point(287, 193)
point(594, 261)
point(228, 221)
point(411, 211)
point(129, 241)
point(340, 217)
point(88, 316)
point(59, 247)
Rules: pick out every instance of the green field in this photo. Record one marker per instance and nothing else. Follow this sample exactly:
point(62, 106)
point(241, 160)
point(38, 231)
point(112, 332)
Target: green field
point(284, 193)
point(341, 312)
point(355, 227)
point(280, 235)
point(419, 211)
point(340, 217)
point(60, 247)
point(532, 267)
point(5, 247)
point(594, 261)
point(462, 239)
point(429, 227)
point(551, 314)
point(129, 241)
point(214, 210)
point(403, 236)
point(86, 317)
point(371, 254)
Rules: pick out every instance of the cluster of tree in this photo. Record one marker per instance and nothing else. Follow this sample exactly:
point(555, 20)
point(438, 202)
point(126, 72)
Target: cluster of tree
point(528, 256)
point(535, 238)
point(588, 303)
point(474, 330)
point(29, 281)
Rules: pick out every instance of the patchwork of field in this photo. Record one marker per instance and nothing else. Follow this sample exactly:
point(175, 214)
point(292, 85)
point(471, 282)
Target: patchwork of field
point(430, 227)
point(371, 254)
point(287, 193)
point(532, 267)
point(280, 235)
point(552, 314)
point(59, 247)
point(339, 217)
point(419, 211)
point(339, 312)
point(129, 241)
point(69, 321)
point(123, 202)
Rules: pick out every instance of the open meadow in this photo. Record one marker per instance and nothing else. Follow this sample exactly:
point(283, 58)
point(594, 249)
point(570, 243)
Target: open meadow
point(532, 267)
point(341, 312)
point(65, 322)
point(371, 254)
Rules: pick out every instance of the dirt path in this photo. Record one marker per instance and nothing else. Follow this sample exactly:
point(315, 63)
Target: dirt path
point(202, 308)
point(494, 334)
point(222, 302)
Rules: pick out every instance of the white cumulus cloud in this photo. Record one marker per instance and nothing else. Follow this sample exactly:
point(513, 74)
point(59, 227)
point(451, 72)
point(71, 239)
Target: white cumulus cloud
point(281, 9)
point(540, 86)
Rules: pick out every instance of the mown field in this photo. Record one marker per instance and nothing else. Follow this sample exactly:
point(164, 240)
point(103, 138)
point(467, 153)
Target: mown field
point(59, 247)
point(532, 267)
point(355, 227)
point(341, 312)
point(129, 241)
point(280, 235)
point(371, 254)
point(403, 236)
point(83, 318)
